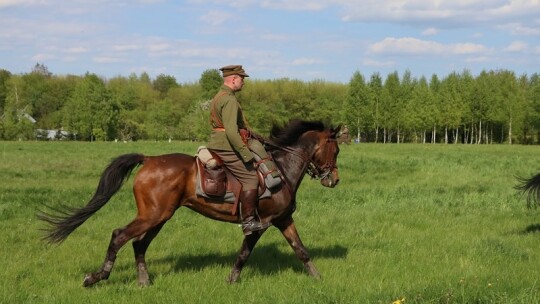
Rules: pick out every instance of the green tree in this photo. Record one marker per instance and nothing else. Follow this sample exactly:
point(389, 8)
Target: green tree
point(262, 105)
point(357, 106)
point(532, 117)
point(17, 122)
point(90, 112)
point(407, 85)
point(210, 83)
point(375, 86)
point(419, 110)
point(512, 102)
point(481, 105)
point(391, 105)
point(163, 83)
point(4, 77)
point(452, 105)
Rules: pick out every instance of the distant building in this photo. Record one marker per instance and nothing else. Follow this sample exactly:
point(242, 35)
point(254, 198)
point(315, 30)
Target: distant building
point(42, 134)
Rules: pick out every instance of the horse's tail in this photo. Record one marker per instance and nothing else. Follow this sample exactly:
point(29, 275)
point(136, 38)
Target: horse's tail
point(67, 219)
point(531, 187)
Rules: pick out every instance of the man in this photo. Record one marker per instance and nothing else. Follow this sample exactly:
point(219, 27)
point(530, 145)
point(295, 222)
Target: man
point(228, 123)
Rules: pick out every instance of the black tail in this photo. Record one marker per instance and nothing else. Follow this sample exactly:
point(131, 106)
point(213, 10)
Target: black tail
point(67, 219)
point(531, 187)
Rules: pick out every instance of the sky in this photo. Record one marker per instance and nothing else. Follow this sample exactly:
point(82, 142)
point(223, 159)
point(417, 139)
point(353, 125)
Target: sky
point(326, 40)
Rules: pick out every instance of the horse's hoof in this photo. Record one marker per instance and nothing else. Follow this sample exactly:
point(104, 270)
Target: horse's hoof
point(144, 283)
point(88, 280)
point(233, 277)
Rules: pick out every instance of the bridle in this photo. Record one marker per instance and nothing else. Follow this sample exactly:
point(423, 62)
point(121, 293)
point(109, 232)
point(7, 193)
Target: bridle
point(323, 171)
point(316, 171)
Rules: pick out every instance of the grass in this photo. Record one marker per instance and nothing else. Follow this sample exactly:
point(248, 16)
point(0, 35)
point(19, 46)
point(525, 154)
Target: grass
point(428, 223)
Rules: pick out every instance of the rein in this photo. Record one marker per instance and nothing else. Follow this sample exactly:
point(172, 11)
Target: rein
point(313, 170)
point(325, 170)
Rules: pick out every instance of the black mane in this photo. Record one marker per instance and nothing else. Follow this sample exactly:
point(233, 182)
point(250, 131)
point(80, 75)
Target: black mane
point(288, 134)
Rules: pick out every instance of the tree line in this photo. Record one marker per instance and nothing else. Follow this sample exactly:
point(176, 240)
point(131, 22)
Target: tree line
point(492, 107)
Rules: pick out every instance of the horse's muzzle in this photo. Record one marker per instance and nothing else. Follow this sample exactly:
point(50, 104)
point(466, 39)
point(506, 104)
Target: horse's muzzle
point(331, 180)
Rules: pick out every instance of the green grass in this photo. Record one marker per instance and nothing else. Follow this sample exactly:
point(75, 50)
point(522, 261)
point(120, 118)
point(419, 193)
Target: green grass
point(428, 223)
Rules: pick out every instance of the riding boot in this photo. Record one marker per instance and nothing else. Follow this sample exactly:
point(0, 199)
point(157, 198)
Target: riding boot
point(249, 201)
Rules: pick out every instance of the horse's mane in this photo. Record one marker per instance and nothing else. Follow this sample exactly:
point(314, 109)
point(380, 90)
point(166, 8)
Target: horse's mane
point(288, 134)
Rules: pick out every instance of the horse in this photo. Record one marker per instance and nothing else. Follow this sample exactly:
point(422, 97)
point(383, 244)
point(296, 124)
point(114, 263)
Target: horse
point(167, 182)
point(531, 187)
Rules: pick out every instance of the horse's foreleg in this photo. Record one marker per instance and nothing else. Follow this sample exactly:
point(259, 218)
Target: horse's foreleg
point(288, 229)
point(118, 239)
point(245, 251)
point(140, 245)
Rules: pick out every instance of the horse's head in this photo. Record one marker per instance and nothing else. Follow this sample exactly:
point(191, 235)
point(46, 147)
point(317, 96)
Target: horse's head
point(323, 164)
point(314, 144)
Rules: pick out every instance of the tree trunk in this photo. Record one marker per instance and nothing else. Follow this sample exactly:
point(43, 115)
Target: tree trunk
point(479, 133)
point(510, 131)
point(358, 129)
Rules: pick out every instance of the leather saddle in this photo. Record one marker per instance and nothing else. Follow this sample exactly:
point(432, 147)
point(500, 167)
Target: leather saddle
point(216, 182)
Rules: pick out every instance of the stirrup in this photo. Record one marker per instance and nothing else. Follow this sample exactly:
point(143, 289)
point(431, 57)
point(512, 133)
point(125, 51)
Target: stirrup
point(252, 225)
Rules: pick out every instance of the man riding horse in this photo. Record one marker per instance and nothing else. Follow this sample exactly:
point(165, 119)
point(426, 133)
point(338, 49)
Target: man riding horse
point(233, 142)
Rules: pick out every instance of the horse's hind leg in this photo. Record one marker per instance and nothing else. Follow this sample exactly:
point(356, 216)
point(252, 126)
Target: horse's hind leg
point(245, 251)
point(119, 238)
point(288, 229)
point(140, 245)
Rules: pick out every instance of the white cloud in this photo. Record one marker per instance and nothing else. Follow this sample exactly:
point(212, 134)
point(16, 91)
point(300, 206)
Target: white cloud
point(415, 46)
point(516, 46)
point(8, 3)
point(42, 57)
point(377, 63)
point(465, 48)
point(159, 47)
point(296, 5)
point(231, 3)
point(105, 59)
point(126, 47)
point(477, 35)
point(519, 29)
point(451, 14)
point(477, 59)
point(305, 61)
point(76, 50)
point(299, 5)
point(430, 31)
point(216, 18)
point(275, 37)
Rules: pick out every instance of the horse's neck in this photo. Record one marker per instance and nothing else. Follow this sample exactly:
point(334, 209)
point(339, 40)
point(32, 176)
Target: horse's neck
point(293, 164)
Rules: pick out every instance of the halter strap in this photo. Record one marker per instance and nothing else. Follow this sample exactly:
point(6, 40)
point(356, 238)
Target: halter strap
point(312, 169)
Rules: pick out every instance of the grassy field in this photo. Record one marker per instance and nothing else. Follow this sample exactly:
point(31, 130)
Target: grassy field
point(423, 223)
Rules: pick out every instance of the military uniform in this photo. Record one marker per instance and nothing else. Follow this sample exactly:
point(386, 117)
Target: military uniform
point(225, 139)
point(227, 122)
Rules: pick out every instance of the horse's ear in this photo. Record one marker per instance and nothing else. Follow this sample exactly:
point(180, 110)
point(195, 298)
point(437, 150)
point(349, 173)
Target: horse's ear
point(336, 132)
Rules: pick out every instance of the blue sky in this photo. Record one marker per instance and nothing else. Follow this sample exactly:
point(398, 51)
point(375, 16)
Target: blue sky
point(297, 39)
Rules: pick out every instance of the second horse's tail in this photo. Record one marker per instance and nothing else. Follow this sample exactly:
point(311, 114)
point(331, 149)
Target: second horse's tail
point(67, 219)
point(531, 187)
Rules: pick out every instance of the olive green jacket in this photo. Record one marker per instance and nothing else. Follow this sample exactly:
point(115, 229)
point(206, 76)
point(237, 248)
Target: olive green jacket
point(226, 109)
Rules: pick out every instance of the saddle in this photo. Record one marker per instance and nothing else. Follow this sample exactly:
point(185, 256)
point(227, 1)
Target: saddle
point(216, 182)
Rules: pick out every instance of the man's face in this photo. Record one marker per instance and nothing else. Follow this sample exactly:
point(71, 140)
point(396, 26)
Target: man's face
point(238, 82)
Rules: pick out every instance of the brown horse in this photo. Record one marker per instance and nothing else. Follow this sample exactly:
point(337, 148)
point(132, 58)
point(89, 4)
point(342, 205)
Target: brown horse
point(168, 182)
